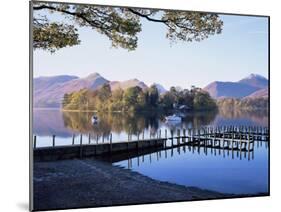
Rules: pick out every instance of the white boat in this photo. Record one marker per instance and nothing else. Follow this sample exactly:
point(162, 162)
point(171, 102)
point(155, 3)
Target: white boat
point(94, 119)
point(173, 118)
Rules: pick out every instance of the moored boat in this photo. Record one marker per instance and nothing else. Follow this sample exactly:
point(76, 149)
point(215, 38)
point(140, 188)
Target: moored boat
point(173, 118)
point(94, 119)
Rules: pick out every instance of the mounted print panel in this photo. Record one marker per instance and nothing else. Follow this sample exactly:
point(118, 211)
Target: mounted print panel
point(141, 105)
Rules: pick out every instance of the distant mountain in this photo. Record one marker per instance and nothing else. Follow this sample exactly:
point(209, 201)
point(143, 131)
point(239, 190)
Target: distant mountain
point(262, 93)
point(49, 91)
point(229, 89)
point(51, 96)
point(93, 81)
point(127, 84)
point(240, 89)
point(160, 88)
point(42, 83)
point(255, 80)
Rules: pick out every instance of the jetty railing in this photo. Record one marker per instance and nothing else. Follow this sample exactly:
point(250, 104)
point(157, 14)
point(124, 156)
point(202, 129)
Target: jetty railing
point(234, 138)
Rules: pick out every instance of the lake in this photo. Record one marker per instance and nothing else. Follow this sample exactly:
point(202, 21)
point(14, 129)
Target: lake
point(222, 171)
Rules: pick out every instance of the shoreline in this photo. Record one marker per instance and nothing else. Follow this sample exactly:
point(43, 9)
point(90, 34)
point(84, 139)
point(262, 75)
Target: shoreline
point(92, 183)
point(137, 112)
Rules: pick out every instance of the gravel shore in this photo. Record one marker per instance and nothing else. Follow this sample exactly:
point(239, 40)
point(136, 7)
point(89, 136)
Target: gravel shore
point(91, 183)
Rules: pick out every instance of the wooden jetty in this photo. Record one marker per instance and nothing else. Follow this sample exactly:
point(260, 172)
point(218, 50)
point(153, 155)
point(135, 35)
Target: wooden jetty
point(240, 139)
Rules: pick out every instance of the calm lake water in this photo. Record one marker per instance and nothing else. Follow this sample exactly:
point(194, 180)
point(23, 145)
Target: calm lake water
point(221, 171)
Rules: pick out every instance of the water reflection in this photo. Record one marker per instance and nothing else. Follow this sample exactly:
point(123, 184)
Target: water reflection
point(213, 169)
point(220, 170)
point(64, 124)
point(228, 116)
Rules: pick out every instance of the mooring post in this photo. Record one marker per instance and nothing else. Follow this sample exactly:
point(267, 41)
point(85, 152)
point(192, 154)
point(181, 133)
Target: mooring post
point(223, 140)
point(89, 138)
point(34, 142)
point(110, 140)
point(138, 136)
point(188, 134)
point(97, 138)
point(172, 136)
point(103, 138)
point(184, 135)
point(128, 143)
point(193, 131)
point(54, 140)
point(178, 136)
point(81, 151)
point(160, 134)
point(73, 139)
point(240, 144)
point(166, 133)
point(142, 135)
point(249, 142)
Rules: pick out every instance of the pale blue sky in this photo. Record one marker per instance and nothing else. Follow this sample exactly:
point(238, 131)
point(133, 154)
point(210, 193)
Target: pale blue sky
point(241, 49)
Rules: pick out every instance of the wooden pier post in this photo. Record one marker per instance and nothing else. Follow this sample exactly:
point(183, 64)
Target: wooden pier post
point(73, 139)
point(110, 141)
point(89, 138)
point(193, 131)
point(240, 146)
point(142, 135)
point(81, 150)
point(172, 137)
point(34, 142)
point(249, 142)
point(166, 133)
point(128, 145)
point(184, 135)
point(103, 138)
point(178, 136)
point(54, 136)
point(188, 135)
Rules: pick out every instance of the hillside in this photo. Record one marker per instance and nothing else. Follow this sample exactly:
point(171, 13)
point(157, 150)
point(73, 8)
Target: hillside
point(49, 91)
point(51, 96)
point(262, 93)
point(127, 84)
point(240, 89)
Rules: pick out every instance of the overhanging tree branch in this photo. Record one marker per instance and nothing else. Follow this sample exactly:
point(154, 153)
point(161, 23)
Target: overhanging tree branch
point(121, 25)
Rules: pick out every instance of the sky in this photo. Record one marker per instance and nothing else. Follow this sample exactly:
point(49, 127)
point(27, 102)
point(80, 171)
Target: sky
point(241, 49)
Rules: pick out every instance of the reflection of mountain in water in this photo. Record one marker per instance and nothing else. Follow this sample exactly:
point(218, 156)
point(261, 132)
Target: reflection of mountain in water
point(49, 122)
point(64, 124)
point(242, 117)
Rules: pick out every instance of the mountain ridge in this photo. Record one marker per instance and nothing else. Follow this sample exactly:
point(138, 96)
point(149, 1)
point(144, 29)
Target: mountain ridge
point(49, 91)
point(239, 89)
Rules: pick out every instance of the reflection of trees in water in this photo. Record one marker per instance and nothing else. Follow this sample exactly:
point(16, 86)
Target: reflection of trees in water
point(80, 122)
point(259, 117)
point(77, 121)
point(199, 119)
point(117, 122)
